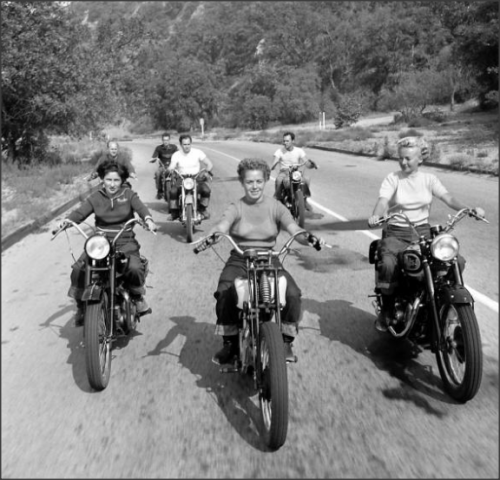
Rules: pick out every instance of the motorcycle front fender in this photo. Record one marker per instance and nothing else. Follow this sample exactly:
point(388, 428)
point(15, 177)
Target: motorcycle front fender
point(454, 294)
point(92, 292)
point(189, 199)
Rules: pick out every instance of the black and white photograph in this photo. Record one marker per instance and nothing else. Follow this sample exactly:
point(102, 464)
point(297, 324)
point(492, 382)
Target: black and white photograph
point(250, 239)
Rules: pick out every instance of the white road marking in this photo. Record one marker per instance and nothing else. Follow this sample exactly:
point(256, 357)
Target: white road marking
point(488, 302)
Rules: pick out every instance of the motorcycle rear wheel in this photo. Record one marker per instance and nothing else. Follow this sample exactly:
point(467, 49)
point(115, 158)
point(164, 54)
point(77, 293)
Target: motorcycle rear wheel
point(189, 223)
point(460, 363)
point(273, 391)
point(97, 344)
point(299, 208)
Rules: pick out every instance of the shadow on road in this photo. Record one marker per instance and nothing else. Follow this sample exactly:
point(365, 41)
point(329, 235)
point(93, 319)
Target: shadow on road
point(74, 337)
point(233, 393)
point(340, 321)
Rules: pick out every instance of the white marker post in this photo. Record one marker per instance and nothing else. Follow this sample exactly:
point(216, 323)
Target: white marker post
point(202, 123)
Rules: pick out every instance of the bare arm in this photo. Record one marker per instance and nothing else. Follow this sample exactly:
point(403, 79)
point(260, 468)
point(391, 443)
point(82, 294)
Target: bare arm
point(223, 226)
point(208, 163)
point(379, 210)
point(276, 160)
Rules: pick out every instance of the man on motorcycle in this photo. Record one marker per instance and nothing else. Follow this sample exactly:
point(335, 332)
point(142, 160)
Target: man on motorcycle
point(286, 156)
point(112, 205)
point(114, 154)
point(189, 161)
point(163, 153)
point(408, 191)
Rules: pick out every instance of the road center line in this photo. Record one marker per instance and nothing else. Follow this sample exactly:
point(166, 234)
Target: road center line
point(488, 302)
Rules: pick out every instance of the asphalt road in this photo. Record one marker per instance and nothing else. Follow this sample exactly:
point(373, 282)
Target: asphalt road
point(360, 405)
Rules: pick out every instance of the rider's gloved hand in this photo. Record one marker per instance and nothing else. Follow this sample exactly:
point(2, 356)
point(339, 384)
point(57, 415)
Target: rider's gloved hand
point(152, 160)
point(314, 241)
point(479, 212)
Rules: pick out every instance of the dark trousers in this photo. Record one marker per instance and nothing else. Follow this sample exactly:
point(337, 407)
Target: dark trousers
point(227, 298)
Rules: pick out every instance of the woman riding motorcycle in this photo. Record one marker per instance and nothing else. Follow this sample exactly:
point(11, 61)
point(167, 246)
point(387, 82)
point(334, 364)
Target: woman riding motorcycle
point(255, 220)
point(408, 191)
point(113, 204)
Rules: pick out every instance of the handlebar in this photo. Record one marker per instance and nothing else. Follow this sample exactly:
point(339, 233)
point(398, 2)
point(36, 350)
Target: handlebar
point(67, 223)
point(452, 219)
point(194, 175)
point(208, 241)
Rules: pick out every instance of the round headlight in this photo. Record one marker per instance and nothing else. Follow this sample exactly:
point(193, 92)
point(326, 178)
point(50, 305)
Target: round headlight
point(296, 175)
point(97, 247)
point(188, 183)
point(445, 247)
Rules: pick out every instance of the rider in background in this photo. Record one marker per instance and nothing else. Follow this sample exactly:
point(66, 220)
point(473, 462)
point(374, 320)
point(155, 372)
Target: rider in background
point(286, 156)
point(254, 221)
point(190, 161)
point(113, 205)
point(408, 191)
point(163, 153)
point(114, 154)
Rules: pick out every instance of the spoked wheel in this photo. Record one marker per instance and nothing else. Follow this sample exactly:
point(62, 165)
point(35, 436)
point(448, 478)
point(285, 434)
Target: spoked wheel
point(189, 223)
point(460, 360)
point(300, 208)
point(273, 390)
point(97, 344)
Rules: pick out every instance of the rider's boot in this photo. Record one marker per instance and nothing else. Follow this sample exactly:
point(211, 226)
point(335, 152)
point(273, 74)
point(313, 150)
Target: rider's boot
point(80, 314)
point(228, 351)
point(384, 317)
point(142, 306)
point(159, 195)
point(289, 355)
point(174, 214)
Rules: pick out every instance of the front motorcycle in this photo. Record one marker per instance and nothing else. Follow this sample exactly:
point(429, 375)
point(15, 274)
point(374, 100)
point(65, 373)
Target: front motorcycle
point(261, 297)
point(109, 310)
point(292, 192)
point(433, 308)
point(189, 215)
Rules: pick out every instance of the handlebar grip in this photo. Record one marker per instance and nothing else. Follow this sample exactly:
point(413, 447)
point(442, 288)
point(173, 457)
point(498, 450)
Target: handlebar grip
point(314, 241)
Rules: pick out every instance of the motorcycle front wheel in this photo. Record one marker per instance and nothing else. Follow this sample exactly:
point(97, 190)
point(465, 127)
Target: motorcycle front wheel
point(97, 344)
point(460, 360)
point(189, 223)
point(273, 388)
point(299, 208)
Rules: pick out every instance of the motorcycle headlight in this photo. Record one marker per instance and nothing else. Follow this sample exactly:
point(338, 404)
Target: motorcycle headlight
point(296, 175)
point(445, 247)
point(97, 247)
point(188, 183)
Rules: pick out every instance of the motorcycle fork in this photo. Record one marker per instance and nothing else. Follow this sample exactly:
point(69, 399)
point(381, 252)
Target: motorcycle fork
point(429, 280)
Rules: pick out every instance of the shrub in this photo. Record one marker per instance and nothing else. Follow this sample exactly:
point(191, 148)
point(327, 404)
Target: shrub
point(410, 133)
point(418, 121)
point(348, 112)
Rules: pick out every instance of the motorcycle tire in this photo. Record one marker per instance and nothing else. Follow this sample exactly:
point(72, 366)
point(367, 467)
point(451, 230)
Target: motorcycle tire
point(300, 208)
point(166, 192)
point(460, 363)
point(273, 390)
point(189, 223)
point(97, 344)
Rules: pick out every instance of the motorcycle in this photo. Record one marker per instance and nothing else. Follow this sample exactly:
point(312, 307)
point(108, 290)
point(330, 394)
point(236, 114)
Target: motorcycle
point(433, 308)
point(292, 195)
point(261, 297)
point(109, 309)
point(189, 215)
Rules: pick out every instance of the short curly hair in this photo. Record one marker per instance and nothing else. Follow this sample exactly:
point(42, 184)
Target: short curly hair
point(253, 164)
point(415, 142)
point(113, 166)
